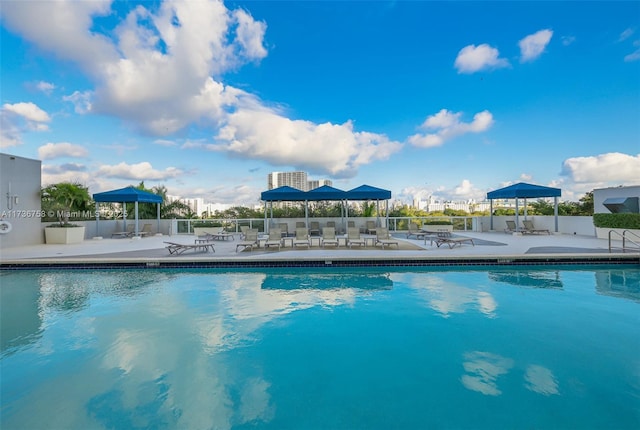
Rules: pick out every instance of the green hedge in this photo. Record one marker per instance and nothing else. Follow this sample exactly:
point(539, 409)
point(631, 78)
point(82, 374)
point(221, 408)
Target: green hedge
point(624, 220)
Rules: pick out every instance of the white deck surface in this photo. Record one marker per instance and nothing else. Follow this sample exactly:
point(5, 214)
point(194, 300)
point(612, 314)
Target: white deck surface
point(493, 244)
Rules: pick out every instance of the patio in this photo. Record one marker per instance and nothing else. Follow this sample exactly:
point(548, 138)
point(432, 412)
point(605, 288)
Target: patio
point(493, 246)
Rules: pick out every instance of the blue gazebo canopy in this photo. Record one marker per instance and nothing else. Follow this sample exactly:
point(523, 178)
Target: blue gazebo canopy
point(367, 192)
point(283, 194)
point(523, 191)
point(127, 195)
point(325, 192)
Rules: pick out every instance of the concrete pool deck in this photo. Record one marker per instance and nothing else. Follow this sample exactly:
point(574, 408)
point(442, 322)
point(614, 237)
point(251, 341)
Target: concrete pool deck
point(493, 247)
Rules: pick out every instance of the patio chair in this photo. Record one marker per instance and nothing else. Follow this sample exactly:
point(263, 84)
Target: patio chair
point(284, 229)
point(243, 231)
point(329, 236)
point(314, 228)
point(274, 239)
point(302, 237)
point(131, 230)
point(353, 237)
point(383, 238)
point(370, 227)
point(250, 240)
point(511, 227)
point(301, 224)
point(146, 230)
point(529, 228)
point(414, 230)
point(179, 248)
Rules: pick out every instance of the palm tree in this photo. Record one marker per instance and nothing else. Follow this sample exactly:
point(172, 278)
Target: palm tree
point(64, 198)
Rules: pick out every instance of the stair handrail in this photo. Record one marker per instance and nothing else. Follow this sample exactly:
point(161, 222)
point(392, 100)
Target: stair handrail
point(625, 239)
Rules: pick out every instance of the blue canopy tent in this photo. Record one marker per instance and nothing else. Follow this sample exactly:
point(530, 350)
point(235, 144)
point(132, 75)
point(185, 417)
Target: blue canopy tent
point(280, 194)
point(524, 191)
point(127, 195)
point(367, 192)
point(326, 193)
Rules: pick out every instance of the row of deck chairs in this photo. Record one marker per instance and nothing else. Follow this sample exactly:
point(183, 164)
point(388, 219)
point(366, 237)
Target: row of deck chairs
point(527, 228)
point(316, 230)
point(303, 238)
point(131, 231)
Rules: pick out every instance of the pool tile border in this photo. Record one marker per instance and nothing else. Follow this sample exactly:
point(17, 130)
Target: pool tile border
point(315, 263)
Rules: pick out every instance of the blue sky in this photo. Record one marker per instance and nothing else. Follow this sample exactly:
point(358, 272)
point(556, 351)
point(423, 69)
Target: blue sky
point(444, 99)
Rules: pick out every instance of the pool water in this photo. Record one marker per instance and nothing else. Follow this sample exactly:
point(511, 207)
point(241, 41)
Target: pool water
point(540, 347)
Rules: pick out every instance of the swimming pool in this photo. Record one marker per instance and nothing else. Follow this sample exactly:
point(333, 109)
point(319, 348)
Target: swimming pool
point(542, 347)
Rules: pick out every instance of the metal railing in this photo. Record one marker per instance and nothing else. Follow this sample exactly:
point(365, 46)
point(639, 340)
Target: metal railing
point(628, 244)
point(396, 224)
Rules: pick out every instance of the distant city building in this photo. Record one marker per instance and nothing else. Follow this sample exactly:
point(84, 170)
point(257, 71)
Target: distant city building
point(296, 180)
point(435, 205)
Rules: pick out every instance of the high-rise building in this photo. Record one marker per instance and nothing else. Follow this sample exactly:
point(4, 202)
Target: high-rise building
point(292, 179)
point(296, 180)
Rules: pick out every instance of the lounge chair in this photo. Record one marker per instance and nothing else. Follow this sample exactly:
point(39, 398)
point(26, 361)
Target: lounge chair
point(243, 231)
point(415, 231)
point(179, 248)
point(383, 238)
point(370, 227)
point(529, 228)
point(221, 235)
point(511, 227)
point(146, 231)
point(314, 228)
point(301, 224)
point(250, 240)
point(131, 230)
point(274, 239)
point(284, 229)
point(453, 241)
point(353, 237)
point(329, 236)
point(302, 237)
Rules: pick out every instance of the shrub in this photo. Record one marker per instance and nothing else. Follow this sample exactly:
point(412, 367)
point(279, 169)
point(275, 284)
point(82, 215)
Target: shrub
point(623, 220)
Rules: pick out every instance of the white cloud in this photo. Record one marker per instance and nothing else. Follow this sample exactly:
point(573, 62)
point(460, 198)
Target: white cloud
point(250, 34)
point(532, 46)
point(333, 149)
point(29, 111)
point(45, 87)
point(63, 149)
point(568, 40)
point(80, 100)
point(140, 171)
point(473, 58)
point(447, 125)
point(614, 168)
point(627, 33)
point(635, 55)
point(17, 118)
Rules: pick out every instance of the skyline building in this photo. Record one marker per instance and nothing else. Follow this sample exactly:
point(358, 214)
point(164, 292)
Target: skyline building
point(298, 180)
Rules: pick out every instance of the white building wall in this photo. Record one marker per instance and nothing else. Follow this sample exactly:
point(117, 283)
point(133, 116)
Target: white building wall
point(20, 202)
point(601, 194)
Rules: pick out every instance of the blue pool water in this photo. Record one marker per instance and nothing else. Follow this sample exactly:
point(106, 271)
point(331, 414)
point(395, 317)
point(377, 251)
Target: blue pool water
point(371, 348)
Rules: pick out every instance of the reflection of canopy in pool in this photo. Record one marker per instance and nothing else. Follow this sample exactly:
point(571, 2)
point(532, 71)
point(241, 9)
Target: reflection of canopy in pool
point(327, 281)
point(534, 279)
point(619, 283)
